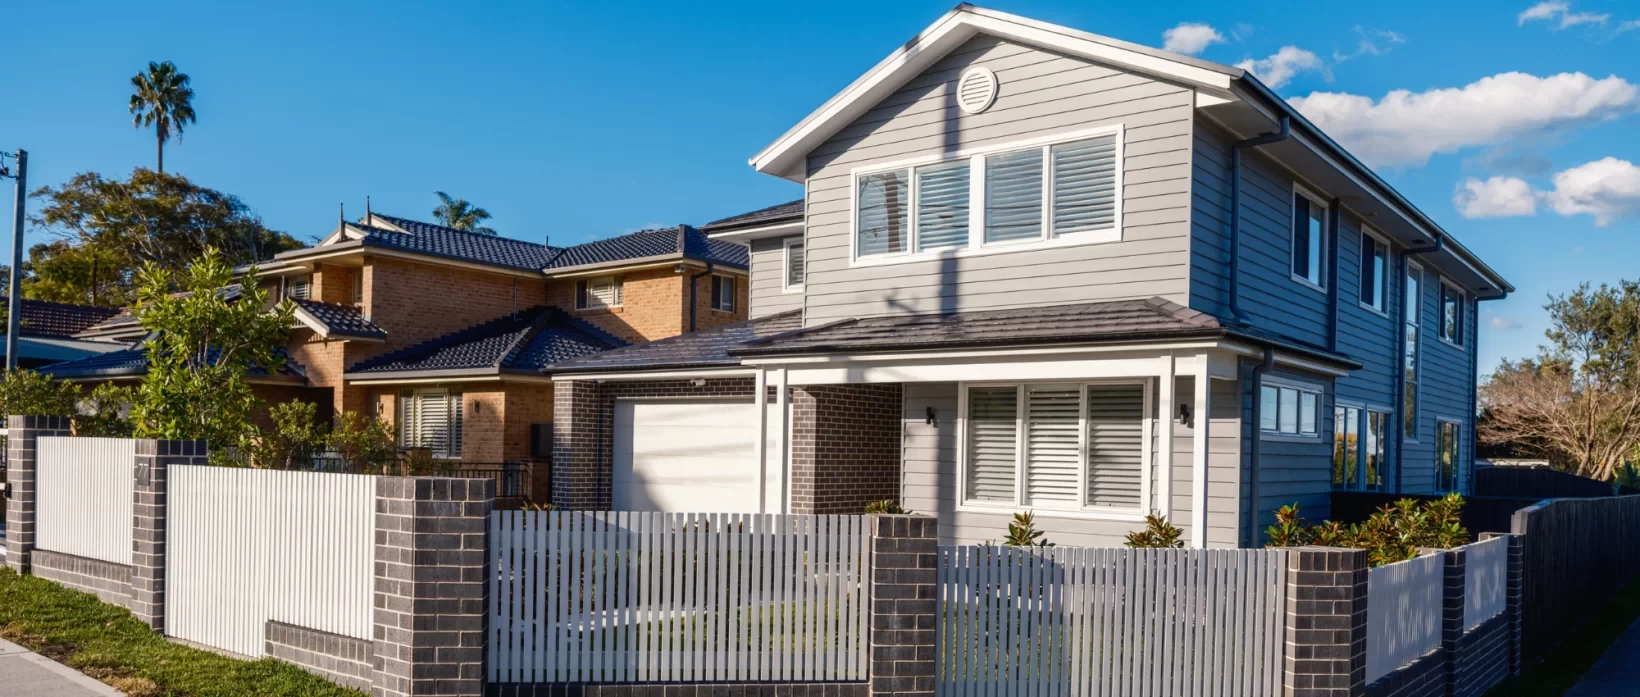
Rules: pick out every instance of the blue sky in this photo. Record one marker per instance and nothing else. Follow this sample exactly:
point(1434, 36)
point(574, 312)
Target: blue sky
point(591, 120)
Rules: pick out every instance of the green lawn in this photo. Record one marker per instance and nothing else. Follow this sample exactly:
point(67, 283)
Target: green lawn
point(1566, 664)
point(107, 643)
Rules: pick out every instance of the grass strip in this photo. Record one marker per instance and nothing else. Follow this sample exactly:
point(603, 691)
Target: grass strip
point(107, 643)
point(1564, 666)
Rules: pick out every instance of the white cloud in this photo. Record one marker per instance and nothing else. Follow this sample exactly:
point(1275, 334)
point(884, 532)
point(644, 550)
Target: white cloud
point(1548, 11)
point(1543, 10)
point(1627, 25)
point(1607, 189)
point(1191, 38)
point(1406, 128)
point(1371, 42)
point(1501, 323)
point(1498, 197)
point(1281, 68)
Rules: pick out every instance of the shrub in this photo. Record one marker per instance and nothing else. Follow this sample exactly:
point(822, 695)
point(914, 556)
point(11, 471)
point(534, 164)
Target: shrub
point(1394, 533)
point(27, 393)
point(365, 443)
point(1158, 534)
point(885, 507)
point(293, 439)
point(1023, 533)
point(103, 413)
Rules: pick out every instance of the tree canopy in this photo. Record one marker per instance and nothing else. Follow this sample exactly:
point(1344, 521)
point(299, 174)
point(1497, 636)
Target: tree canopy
point(461, 214)
point(1578, 402)
point(107, 229)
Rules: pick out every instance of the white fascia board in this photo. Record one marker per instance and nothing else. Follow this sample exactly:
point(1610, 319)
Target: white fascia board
point(782, 157)
point(311, 322)
point(764, 232)
point(657, 375)
point(996, 353)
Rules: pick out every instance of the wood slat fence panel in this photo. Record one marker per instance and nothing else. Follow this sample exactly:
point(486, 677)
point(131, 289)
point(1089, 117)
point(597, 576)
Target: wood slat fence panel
point(1403, 613)
point(1093, 621)
point(1485, 571)
point(677, 597)
point(1578, 554)
point(84, 493)
point(247, 546)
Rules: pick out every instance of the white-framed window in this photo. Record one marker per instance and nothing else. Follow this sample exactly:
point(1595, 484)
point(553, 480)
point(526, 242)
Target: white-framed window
point(1358, 448)
point(1309, 238)
point(792, 265)
point(1448, 442)
point(299, 287)
point(358, 288)
point(1081, 447)
point(1452, 313)
point(1288, 408)
point(598, 293)
point(1374, 271)
point(1414, 311)
point(431, 418)
point(723, 293)
point(1046, 191)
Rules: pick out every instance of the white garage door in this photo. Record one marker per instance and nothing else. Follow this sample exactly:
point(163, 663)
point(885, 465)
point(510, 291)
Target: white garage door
point(689, 456)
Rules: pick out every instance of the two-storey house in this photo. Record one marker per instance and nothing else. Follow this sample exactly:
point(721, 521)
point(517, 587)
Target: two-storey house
point(451, 335)
point(1040, 269)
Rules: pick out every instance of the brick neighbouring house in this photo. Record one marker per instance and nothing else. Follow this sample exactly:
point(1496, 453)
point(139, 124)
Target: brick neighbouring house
point(46, 332)
point(394, 314)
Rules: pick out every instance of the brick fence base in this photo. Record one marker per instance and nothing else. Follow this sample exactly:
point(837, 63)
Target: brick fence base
point(740, 689)
point(340, 659)
point(110, 582)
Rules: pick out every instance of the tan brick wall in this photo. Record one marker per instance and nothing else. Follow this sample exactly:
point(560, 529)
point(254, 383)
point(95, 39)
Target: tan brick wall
point(651, 305)
point(483, 423)
point(706, 316)
point(527, 403)
point(333, 283)
point(414, 302)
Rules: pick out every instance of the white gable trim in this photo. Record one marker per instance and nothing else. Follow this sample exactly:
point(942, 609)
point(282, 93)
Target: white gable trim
point(784, 157)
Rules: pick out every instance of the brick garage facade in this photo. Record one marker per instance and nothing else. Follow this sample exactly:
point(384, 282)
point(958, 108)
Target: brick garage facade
point(845, 447)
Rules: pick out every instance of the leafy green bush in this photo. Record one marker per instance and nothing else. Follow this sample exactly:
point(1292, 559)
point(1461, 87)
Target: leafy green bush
point(27, 393)
point(293, 439)
point(885, 507)
point(1158, 534)
point(102, 413)
point(1394, 533)
point(365, 443)
point(1023, 533)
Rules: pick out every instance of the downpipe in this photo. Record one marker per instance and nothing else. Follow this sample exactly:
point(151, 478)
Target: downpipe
point(1255, 449)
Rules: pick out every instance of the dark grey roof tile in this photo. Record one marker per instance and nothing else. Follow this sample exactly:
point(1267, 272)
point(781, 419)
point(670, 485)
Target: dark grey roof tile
point(779, 213)
point(705, 348)
point(527, 341)
point(340, 320)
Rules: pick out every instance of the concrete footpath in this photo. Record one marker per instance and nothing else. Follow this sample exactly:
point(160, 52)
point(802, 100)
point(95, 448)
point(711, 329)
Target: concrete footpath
point(23, 672)
point(1618, 670)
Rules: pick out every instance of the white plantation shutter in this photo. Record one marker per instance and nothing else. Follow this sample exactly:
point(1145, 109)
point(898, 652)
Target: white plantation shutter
point(1116, 415)
point(942, 206)
point(433, 421)
point(884, 211)
point(407, 420)
point(1013, 196)
point(794, 264)
point(1053, 447)
point(455, 407)
point(1084, 186)
point(993, 434)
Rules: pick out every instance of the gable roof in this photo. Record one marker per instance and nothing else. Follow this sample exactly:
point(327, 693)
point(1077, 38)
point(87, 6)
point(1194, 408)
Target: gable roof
point(124, 323)
point(449, 243)
point(707, 348)
point(785, 155)
point(58, 320)
point(133, 363)
point(788, 212)
point(681, 242)
point(335, 321)
point(523, 343)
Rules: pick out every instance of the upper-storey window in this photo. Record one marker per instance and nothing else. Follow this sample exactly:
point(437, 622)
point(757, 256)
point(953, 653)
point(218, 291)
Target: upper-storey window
point(299, 287)
point(1017, 194)
point(793, 265)
point(723, 293)
point(1309, 238)
point(1452, 302)
point(1414, 305)
point(598, 293)
point(1374, 270)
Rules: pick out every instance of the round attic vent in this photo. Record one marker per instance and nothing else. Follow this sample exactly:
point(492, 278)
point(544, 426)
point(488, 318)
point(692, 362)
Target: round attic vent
point(976, 90)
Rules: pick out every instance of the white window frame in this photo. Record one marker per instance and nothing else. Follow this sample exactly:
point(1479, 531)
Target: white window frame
point(455, 402)
point(1417, 359)
point(1327, 234)
point(1321, 407)
point(614, 281)
point(1383, 281)
point(1082, 510)
point(1457, 456)
point(718, 282)
point(977, 246)
point(1463, 312)
point(290, 284)
point(786, 285)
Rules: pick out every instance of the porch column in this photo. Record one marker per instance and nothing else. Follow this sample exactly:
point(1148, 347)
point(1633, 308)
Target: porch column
point(760, 399)
point(782, 442)
point(1199, 454)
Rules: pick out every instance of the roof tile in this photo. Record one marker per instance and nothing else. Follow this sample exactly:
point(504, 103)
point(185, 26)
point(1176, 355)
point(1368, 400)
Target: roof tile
point(528, 341)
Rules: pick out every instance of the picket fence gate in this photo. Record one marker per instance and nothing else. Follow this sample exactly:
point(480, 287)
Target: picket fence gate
point(247, 546)
point(1093, 621)
point(586, 597)
point(84, 496)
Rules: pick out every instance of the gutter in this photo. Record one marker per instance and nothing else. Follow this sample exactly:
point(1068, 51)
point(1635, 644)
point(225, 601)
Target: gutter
point(1235, 211)
point(1255, 449)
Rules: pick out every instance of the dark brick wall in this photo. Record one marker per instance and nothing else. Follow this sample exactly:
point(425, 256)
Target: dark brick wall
point(149, 516)
point(583, 431)
point(785, 689)
point(340, 659)
point(904, 604)
point(1425, 677)
point(110, 582)
point(20, 464)
point(845, 447)
point(1326, 622)
point(1483, 657)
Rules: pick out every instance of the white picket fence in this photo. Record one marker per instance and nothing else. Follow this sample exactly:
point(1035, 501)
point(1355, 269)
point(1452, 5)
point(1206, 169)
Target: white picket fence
point(1085, 621)
point(1403, 613)
point(248, 546)
point(84, 492)
point(630, 596)
point(1486, 564)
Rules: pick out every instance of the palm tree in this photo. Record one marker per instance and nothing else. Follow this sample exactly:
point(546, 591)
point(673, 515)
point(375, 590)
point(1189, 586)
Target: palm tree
point(461, 214)
point(162, 100)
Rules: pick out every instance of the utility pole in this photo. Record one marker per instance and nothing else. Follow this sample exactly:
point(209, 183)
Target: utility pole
point(14, 298)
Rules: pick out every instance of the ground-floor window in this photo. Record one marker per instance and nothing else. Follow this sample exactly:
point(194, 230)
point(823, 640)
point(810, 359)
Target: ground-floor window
point(1057, 446)
point(431, 418)
point(1288, 409)
point(1358, 448)
point(1447, 442)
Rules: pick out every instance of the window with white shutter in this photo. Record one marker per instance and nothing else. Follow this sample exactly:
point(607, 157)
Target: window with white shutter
point(1058, 446)
point(993, 440)
point(598, 293)
point(299, 287)
point(794, 265)
point(1084, 186)
point(942, 205)
point(431, 419)
point(1116, 446)
point(1013, 196)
